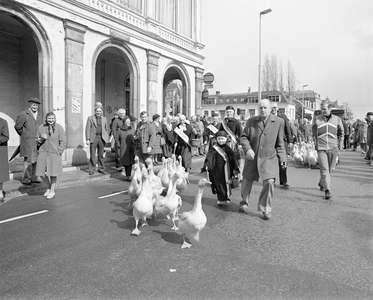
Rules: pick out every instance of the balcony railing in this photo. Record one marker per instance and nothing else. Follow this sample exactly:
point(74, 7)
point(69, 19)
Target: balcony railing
point(120, 11)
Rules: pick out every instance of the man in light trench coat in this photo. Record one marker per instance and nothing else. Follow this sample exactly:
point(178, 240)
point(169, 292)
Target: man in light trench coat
point(263, 143)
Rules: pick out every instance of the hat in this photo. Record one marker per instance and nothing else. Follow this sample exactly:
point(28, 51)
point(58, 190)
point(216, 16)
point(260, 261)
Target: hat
point(132, 118)
point(155, 117)
point(221, 133)
point(370, 113)
point(35, 100)
point(229, 107)
point(214, 115)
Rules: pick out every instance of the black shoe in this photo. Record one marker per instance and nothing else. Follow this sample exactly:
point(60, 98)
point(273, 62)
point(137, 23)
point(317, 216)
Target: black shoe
point(102, 172)
point(328, 194)
point(2, 200)
point(267, 216)
point(91, 173)
point(321, 187)
point(285, 185)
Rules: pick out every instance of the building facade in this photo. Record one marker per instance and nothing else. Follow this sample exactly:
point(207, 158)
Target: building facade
point(246, 104)
point(122, 53)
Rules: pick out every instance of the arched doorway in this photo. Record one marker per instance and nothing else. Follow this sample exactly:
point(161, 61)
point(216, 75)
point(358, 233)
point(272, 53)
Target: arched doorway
point(25, 63)
point(176, 91)
point(116, 79)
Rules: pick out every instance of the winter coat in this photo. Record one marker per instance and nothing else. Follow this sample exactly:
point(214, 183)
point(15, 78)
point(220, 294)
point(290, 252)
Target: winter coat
point(26, 126)
point(50, 151)
point(127, 145)
point(268, 145)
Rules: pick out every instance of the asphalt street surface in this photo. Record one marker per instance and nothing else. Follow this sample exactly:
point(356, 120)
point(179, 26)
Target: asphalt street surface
point(79, 244)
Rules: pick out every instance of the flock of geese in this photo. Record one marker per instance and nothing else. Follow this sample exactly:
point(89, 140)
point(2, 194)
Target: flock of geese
point(305, 154)
point(153, 194)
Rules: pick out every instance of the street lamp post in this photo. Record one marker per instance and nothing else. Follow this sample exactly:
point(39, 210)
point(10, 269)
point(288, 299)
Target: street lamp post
point(303, 99)
point(260, 40)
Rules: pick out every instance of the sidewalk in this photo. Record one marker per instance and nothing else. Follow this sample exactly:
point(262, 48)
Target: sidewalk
point(70, 176)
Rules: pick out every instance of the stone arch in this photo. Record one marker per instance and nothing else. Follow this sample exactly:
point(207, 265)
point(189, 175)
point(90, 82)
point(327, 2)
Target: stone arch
point(175, 70)
point(134, 72)
point(44, 48)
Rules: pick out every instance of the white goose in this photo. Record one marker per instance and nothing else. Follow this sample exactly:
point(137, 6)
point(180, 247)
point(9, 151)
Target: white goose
point(134, 188)
point(170, 204)
point(143, 206)
point(192, 222)
point(154, 181)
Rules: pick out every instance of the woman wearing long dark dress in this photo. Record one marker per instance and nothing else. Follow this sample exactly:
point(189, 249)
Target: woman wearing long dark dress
point(182, 144)
point(169, 137)
point(4, 170)
point(127, 146)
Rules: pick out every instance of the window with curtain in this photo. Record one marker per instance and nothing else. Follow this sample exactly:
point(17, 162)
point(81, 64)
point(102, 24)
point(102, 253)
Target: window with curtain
point(185, 17)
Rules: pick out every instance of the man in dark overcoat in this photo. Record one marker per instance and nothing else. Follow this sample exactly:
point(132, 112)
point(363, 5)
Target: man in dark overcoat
point(263, 143)
point(26, 126)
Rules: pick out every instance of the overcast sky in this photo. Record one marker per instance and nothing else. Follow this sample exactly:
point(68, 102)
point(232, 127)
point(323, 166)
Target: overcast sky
point(328, 42)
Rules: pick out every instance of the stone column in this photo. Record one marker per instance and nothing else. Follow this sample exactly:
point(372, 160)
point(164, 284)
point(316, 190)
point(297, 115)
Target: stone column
point(199, 89)
point(152, 82)
point(74, 46)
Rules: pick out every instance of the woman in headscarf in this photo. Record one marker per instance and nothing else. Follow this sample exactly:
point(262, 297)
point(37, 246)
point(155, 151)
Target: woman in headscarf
point(127, 146)
point(51, 141)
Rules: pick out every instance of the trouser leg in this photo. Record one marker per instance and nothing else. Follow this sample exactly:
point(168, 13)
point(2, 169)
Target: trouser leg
point(266, 196)
point(128, 170)
point(246, 187)
point(27, 171)
point(92, 153)
point(324, 170)
point(332, 159)
point(117, 156)
point(100, 153)
point(283, 174)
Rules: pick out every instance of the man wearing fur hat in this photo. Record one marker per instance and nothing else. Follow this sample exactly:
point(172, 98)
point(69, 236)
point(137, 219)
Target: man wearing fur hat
point(26, 126)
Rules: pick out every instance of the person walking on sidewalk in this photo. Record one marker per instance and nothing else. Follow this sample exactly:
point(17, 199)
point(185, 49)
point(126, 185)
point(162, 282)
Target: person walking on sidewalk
point(4, 163)
point(328, 133)
point(26, 126)
point(96, 135)
point(51, 141)
point(263, 143)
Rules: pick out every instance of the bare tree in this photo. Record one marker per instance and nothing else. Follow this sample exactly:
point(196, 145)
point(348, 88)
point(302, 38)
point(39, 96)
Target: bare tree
point(291, 79)
point(266, 73)
point(280, 77)
point(273, 73)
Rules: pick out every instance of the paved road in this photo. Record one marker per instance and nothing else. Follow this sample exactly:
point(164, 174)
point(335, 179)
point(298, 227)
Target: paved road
point(80, 247)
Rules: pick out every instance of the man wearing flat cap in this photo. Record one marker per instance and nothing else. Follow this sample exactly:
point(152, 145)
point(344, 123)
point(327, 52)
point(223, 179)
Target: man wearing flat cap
point(26, 126)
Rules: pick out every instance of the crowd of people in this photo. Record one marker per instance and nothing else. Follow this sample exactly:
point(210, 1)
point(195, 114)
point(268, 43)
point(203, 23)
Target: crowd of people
point(233, 151)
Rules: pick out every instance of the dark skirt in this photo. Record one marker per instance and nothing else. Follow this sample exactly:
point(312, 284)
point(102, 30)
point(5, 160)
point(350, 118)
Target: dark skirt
point(186, 156)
